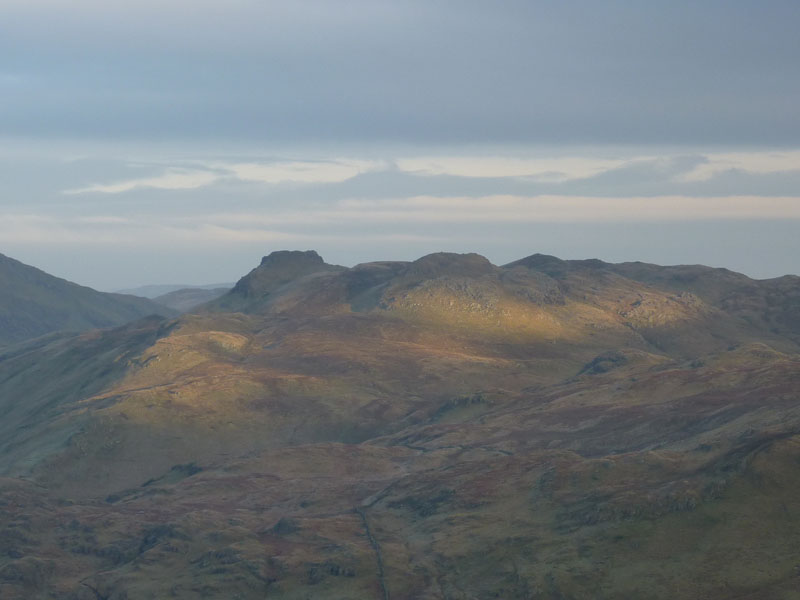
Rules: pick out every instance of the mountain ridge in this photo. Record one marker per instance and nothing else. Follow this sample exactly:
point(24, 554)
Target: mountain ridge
point(438, 428)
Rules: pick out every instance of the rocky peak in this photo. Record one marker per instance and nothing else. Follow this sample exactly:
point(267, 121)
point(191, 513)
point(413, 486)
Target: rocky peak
point(292, 257)
point(450, 264)
point(543, 263)
point(279, 268)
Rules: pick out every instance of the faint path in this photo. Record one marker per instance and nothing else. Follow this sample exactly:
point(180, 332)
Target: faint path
point(377, 548)
point(97, 594)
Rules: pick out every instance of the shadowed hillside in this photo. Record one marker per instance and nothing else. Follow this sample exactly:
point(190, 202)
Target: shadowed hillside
point(442, 428)
point(33, 303)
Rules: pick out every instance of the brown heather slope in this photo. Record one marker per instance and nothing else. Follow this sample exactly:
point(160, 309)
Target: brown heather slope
point(443, 428)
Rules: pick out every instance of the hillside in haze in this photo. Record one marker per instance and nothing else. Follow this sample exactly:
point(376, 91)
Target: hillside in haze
point(185, 299)
point(154, 291)
point(435, 429)
point(33, 303)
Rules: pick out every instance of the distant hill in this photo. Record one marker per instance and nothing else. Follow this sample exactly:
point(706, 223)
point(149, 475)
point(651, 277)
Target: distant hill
point(185, 299)
point(33, 303)
point(160, 289)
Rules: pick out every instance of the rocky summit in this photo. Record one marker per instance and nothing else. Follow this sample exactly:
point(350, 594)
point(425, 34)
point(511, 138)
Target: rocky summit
point(437, 429)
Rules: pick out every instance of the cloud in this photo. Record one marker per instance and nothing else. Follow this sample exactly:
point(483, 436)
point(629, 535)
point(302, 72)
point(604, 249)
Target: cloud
point(11, 80)
point(768, 173)
point(538, 169)
point(301, 171)
point(43, 230)
point(172, 179)
point(453, 211)
point(277, 172)
point(370, 221)
point(160, 231)
point(427, 72)
point(564, 209)
point(747, 162)
point(101, 220)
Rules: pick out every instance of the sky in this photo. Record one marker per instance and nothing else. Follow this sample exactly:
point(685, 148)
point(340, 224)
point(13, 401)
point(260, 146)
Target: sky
point(178, 141)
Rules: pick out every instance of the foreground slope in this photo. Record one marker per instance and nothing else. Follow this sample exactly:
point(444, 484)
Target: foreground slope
point(442, 428)
point(33, 303)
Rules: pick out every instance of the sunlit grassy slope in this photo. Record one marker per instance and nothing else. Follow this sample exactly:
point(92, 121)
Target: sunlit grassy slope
point(443, 428)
